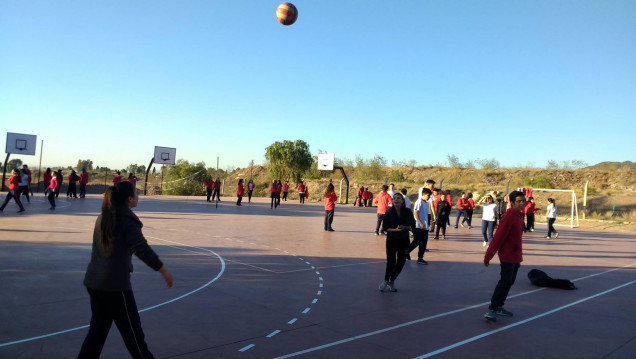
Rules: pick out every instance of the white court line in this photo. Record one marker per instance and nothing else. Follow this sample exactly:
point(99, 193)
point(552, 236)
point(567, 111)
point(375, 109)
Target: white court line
point(417, 321)
point(140, 311)
point(246, 348)
point(314, 301)
point(306, 310)
point(469, 340)
point(292, 321)
point(273, 333)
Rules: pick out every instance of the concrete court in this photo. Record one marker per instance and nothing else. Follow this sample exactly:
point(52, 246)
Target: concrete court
point(253, 282)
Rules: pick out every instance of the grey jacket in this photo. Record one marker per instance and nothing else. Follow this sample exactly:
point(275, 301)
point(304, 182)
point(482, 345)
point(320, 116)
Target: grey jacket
point(112, 273)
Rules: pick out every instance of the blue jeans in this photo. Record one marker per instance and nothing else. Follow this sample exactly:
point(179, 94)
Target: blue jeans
point(487, 227)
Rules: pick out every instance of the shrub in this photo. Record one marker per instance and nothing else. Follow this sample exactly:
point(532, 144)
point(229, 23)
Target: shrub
point(537, 182)
point(396, 176)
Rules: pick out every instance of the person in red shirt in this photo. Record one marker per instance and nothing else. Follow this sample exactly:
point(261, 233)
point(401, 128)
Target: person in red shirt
point(132, 178)
point(470, 207)
point(209, 187)
point(359, 197)
point(279, 189)
point(239, 192)
point(383, 200)
point(301, 191)
point(462, 203)
point(530, 209)
point(52, 189)
point(47, 179)
point(83, 181)
point(272, 193)
point(507, 243)
point(285, 190)
point(14, 183)
point(117, 178)
point(330, 199)
point(366, 197)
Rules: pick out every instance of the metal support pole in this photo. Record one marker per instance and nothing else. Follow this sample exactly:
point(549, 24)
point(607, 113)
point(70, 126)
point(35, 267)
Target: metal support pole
point(152, 160)
point(4, 170)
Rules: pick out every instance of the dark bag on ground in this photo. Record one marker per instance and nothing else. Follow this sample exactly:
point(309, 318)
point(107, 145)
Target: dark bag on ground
point(541, 279)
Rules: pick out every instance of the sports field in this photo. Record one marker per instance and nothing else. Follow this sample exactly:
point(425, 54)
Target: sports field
point(254, 282)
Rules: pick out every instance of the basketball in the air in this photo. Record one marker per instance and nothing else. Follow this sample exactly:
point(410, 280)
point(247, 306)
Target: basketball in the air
point(287, 13)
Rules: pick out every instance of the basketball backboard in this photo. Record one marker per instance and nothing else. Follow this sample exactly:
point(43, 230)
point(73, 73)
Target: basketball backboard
point(325, 161)
point(165, 155)
point(22, 144)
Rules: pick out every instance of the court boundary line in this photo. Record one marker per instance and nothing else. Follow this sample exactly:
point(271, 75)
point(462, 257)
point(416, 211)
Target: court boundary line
point(421, 320)
point(142, 310)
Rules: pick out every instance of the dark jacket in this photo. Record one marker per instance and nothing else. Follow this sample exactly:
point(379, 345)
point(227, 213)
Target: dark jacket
point(112, 273)
point(392, 220)
point(443, 206)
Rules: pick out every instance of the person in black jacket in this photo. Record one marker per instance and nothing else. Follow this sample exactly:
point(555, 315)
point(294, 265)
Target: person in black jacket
point(443, 212)
point(117, 235)
point(397, 222)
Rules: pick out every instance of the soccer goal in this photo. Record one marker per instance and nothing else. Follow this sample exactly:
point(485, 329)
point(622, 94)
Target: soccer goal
point(562, 196)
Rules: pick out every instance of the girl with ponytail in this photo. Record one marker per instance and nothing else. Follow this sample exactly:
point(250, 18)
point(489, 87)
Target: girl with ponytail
point(117, 235)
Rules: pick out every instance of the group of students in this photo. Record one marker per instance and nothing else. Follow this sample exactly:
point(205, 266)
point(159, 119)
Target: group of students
point(20, 184)
point(275, 189)
point(213, 189)
point(363, 197)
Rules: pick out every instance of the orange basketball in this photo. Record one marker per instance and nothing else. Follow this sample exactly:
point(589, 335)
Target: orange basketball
point(287, 13)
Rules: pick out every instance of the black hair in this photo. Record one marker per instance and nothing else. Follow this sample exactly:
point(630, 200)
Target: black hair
point(115, 196)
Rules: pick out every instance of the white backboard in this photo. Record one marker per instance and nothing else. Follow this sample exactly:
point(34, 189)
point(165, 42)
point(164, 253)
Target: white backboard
point(165, 155)
point(19, 143)
point(325, 161)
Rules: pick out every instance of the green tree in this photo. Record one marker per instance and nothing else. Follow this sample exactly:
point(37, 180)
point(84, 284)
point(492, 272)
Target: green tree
point(15, 163)
point(288, 160)
point(88, 164)
point(185, 179)
point(370, 169)
point(453, 161)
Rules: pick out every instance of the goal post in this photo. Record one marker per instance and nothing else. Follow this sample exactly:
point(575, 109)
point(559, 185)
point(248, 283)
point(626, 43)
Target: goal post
point(574, 210)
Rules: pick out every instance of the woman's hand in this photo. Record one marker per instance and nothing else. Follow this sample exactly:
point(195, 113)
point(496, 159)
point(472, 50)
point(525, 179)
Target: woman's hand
point(166, 276)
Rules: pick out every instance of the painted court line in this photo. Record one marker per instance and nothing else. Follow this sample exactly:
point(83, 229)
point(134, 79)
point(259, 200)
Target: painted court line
point(292, 321)
point(380, 331)
point(246, 348)
point(273, 333)
point(477, 337)
point(306, 310)
point(142, 310)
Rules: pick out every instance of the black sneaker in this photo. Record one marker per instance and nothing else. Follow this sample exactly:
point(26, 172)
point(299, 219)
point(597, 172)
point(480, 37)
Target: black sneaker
point(491, 315)
point(421, 261)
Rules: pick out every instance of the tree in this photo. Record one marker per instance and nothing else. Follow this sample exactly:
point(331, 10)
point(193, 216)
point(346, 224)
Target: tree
point(81, 164)
point(15, 163)
point(185, 179)
point(288, 160)
point(453, 161)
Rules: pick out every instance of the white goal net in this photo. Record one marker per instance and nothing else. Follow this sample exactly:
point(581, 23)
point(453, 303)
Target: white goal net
point(561, 196)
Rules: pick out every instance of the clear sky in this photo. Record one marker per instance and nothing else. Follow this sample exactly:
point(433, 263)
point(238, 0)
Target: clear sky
point(522, 82)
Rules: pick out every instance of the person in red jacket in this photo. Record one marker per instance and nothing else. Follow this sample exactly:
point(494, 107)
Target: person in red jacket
point(530, 209)
point(48, 175)
point(383, 200)
point(83, 181)
point(470, 207)
point(285, 190)
point(51, 189)
point(117, 178)
point(239, 192)
point(209, 187)
point(272, 193)
point(14, 183)
point(462, 204)
point(301, 191)
point(72, 187)
point(330, 199)
point(507, 243)
point(367, 196)
point(359, 197)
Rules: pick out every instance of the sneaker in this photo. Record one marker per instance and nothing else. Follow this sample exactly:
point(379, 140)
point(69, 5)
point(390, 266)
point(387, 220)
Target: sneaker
point(556, 235)
point(443, 237)
point(501, 311)
point(383, 286)
point(391, 287)
point(531, 229)
point(421, 261)
point(461, 224)
point(436, 238)
point(548, 237)
point(469, 227)
point(491, 315)
point(331, 230)
point(484, 244)
point(427, 250)
point(456, 226)
point(377, 234)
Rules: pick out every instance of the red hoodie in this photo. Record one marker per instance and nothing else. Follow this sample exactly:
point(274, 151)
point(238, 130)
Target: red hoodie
point(507, 239)
point(330, 202)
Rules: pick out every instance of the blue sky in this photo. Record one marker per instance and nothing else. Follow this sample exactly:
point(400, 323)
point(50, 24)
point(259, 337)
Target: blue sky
point(522, 82)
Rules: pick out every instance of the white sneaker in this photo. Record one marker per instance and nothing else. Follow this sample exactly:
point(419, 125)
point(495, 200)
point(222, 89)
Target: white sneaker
point(383, 286)
point(484, 244)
